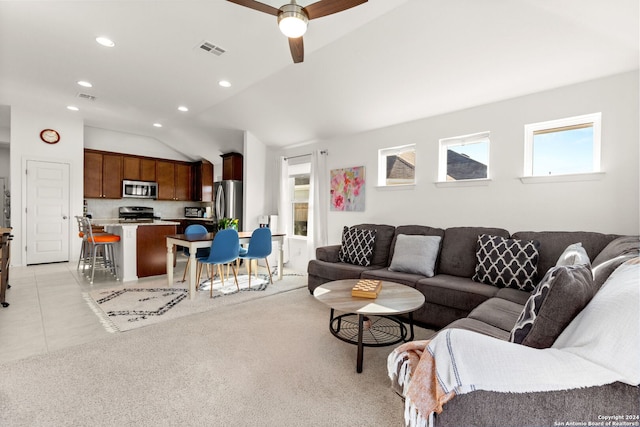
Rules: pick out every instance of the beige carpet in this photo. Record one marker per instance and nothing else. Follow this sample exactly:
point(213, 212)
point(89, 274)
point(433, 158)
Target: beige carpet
point(264, 362)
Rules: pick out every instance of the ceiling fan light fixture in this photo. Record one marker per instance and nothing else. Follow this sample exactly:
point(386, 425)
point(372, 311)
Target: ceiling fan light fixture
point(292, 21)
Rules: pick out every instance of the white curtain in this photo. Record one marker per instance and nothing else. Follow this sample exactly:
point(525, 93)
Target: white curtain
point(318, 202)
point(284, 206)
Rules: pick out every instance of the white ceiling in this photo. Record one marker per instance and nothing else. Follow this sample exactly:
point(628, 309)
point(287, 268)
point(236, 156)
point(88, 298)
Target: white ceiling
point(378, 64)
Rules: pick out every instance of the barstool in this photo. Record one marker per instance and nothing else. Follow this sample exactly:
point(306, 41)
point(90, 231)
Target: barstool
point(84, 254)
point(92, 242)
point(83, 248)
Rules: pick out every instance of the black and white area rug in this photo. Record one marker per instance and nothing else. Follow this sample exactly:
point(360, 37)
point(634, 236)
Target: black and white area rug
point(144, 303)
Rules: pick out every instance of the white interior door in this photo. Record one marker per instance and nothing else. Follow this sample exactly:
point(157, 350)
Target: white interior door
point(47, 212)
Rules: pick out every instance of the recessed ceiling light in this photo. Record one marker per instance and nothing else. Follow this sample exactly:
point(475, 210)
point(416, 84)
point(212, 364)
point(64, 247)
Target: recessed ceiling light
point(224, 83)
point(105, 41)
point(183, 108)
point(84, 83)
point(72, 108)
point(158, 125)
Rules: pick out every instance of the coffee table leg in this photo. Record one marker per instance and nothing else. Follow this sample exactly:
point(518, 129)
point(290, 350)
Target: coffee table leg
point(360, 345)
point(410, 327)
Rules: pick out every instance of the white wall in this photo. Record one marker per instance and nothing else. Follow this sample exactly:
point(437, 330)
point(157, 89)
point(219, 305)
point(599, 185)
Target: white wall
point(26, 124)
point(610, 205)
point(127, 143)
point(255, 186)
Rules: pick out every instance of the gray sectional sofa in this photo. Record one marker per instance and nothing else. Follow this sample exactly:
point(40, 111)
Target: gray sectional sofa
point(455, 300)
point(451, 295)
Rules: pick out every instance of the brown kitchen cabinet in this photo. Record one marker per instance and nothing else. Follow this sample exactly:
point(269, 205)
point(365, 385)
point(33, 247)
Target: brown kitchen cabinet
point(131, 168)
point(151, 250)
point(138, 168)
point(174, 180)
point(203, 181)
point(232, 166)
point(102, 175)
point(147, 169)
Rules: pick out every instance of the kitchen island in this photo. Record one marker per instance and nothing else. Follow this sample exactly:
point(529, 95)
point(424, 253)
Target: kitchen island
point(142, 248)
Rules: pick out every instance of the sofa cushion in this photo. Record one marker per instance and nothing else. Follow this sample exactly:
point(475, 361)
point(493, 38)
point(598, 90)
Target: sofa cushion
point(458, 253)
point(498, 312)
point(514, 295)
point(457, 292)
point(559, 297)
point(617, 252)
point(415, 254)
point(574, 254)
point(506, 263)
point(336, 270)
point(553, 243)
point(357, 246)
point(479, 326)
point(409, 279)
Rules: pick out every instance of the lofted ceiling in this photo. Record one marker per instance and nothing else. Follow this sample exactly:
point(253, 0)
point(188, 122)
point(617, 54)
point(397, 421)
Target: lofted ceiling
point(375, 65)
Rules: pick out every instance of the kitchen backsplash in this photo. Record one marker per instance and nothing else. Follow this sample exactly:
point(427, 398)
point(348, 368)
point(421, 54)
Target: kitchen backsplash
point(108, 208)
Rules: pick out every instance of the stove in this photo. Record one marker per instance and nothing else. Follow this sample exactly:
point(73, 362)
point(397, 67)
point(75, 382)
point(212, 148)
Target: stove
point(136, 214)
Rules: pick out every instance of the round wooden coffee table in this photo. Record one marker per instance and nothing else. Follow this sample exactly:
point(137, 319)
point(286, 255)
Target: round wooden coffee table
point(369, 322)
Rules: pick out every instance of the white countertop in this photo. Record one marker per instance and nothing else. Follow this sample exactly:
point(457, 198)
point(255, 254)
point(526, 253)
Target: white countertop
point(192, 219)
point(104, 222)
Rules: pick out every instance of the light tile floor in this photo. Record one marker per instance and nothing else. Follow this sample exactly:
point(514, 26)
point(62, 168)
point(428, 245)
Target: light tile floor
point(48, 312)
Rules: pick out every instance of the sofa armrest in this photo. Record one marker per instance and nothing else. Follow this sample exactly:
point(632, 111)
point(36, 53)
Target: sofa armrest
point(486, 408)
point(328, 253)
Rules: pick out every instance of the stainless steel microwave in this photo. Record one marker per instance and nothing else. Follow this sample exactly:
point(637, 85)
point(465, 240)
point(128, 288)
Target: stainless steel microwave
point(140, 189)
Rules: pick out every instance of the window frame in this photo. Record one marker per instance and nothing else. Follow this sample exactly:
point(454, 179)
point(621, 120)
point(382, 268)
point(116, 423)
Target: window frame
point(383, 153)
point(595, 119)
point(473, 138)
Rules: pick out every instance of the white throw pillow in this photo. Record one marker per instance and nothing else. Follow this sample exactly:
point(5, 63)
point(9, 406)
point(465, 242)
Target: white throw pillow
point(415, 254)
point(573, 255)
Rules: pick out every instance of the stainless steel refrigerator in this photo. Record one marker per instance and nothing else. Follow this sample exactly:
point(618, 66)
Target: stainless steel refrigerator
point(228, 200)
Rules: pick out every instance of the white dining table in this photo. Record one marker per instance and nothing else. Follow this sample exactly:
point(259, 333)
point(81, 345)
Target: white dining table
point(196, 241)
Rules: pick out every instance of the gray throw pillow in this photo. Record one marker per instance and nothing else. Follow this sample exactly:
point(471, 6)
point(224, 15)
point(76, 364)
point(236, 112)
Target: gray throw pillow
point(357, 246)
point(415, 254)
point(561, 294)
point(572, 255)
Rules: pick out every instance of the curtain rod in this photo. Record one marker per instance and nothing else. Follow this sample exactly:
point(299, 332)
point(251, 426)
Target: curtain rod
point(305, 155)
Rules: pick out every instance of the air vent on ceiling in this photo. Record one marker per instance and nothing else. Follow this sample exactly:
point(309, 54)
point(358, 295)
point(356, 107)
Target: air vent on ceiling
point(86, 96)
point(211, 48)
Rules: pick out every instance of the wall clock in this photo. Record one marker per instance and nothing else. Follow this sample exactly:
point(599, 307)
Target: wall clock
point(50, 136)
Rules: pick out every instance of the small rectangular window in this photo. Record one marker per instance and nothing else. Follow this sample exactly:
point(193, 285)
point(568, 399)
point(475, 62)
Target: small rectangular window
point(300, 205)
point(561, 147)
point(397, 166)
point(464, 158)
point(299, 184)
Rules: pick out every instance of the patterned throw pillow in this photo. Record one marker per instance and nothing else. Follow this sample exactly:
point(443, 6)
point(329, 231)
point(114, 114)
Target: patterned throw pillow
point(561, 294)
point(357, 246)
point(506, 263)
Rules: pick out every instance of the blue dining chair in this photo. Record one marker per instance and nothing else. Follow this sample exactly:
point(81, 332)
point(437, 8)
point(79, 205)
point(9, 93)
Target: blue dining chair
point(200, 253)
point(224, 250)
point(259, 247)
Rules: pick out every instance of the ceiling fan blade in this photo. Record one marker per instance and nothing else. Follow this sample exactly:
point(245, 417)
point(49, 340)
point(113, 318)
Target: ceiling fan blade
point(297, 49)
point(256, 5)
point(328, 7)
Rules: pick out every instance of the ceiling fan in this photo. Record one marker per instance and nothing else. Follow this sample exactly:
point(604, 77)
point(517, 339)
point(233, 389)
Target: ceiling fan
point(293, 18)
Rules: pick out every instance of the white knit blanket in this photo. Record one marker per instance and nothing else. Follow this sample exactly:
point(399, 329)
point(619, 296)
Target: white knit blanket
point(600, 346)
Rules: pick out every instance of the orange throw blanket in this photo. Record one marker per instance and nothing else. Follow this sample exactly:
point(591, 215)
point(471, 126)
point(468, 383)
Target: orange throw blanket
point(416, 374)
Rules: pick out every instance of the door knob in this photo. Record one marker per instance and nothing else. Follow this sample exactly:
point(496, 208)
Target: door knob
point(64, 217)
